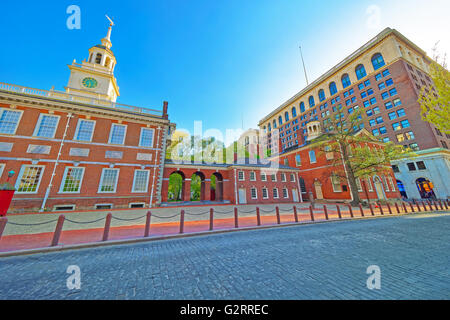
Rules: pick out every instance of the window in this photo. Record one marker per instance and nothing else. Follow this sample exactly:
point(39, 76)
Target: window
point(280, 120)
point(369, 185)
point(409, 135)
point(241, 175)
point(361, 86)
point(294, 113)
point(360, 72)
point(335, 181)
point(389, 82)
point(273, 177)
point(386, 139)
point(411, 166)
point(444, 144)
point(395, 168)
point(9, 120)
point(71, 182)
point(393, 92)
point(2, 167)
point(421, 165)
point(269, 127)
point(263, 176)
point(146, 139)
point(391, 182)
point(252, 176)
point(285, 193)
point(383, 130)
point(377, 61)
point(385, 95)
point(286, 116)
point(302, 107)
point(140, 181)
point(29, 179)
point(274, 124)
point(385, 183)
point(321, 95)
point(397, 102)
point(379, 120)
point(401, 113)
point(373, 101)
point(375, 132)
point(386, 73)
point(46, 126)
point(283, 177)
point(378, 77)
point(345, 81)
point(392, 116)
point(85, 130)
point(265, 194)
point(117, 134)
point(381, 86)
point(405, 123)
point(275, 193)
point(358, 185)
point(367, 83)
point(396, 126)
point(292, 177)
point(388, 105)
point(98, 58)
point(108, 180)
point(298, 160)
point(311, 101)
point(254, 193)
point(333, 88)
point(400, 137)
point(312, 156)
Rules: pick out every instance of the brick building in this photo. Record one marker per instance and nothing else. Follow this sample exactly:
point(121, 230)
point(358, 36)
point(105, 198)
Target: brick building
point(384, 78)
point(79, 149)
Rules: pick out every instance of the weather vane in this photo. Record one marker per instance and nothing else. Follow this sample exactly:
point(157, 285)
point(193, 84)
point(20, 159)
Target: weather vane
point(110, 20)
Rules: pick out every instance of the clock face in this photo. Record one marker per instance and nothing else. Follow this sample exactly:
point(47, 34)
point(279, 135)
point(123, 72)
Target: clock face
point(89, 83)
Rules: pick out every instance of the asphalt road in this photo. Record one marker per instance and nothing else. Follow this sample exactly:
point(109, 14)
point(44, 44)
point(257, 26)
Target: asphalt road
point(321, 261)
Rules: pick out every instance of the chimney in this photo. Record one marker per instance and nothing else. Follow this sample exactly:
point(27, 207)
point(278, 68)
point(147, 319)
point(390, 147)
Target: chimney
point(165, 107)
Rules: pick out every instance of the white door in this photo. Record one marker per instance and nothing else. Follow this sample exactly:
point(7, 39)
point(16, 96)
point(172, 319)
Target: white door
point(295, 195)
point(318, 187)
point(379, 189)
point(242, 196)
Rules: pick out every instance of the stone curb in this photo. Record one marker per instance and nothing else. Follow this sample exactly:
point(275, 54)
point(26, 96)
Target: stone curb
point(60, 248)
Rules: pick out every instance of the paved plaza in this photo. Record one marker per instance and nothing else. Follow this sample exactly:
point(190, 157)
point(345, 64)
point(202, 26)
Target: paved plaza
point(321, 261)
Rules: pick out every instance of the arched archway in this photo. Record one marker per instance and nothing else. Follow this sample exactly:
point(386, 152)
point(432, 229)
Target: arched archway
point(379, 188)
point(216, 187)
point(425, 187)
point(197, 186)
point(176, 187)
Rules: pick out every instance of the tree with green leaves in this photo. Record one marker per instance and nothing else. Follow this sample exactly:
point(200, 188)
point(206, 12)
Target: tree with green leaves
point(352, 151)
point(435, 101)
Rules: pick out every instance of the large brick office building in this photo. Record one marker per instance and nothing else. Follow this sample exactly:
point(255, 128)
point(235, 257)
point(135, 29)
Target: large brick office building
point(384, 77)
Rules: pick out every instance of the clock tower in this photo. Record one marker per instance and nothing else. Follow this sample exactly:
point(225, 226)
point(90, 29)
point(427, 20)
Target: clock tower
point(95, 78)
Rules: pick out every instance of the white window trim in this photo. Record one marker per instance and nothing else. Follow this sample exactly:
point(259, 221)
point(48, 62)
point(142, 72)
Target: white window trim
point(252, 176)
point(133, 190)
point(2, 167)
point(239, 175)
point(359, 185)
point(333, 185)
point(153, 137)
point(22, 169)
point(18, 121)
point(385, 183)
point(391, 181)
point(101, 180)
point(271, 177)
point(292, 177)
point(256, 193)
point(267, 193)
point(61, 187)
point(370, 186)
point(287, 193)
point(283, 177)
point(55, 207)
point(124, 134)
point(134, 203)
point(278, 194)
point(38, 124)
point(263, 174)
point(104, 204)
point(309, 154)
point(78, 129)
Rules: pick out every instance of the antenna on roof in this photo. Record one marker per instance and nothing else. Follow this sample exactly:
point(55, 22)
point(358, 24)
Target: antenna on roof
point(303, 62)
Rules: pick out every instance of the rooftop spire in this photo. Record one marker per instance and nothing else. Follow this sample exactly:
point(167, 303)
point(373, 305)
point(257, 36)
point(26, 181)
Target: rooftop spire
point(106, 41)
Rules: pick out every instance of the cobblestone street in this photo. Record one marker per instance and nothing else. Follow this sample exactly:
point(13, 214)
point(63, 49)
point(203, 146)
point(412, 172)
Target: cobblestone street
point(322, 261)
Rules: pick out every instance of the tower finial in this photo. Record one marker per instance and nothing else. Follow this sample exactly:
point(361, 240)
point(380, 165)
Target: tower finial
point(107, 40)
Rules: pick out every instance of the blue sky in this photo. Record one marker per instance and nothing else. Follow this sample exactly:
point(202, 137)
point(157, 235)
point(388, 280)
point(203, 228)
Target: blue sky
point(222, 62)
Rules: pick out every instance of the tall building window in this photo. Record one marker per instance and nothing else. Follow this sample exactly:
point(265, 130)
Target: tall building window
point(294, 112)
point(146, 139)
point(29, 179)
point(108, 180)
point(302, 107)
point(140, 181)
point(280, 120)
point(360, 72)
point(286, 116)
point(285, 193)
point(46, 126)
point(345, 81)
point(252, 176)
point(254, 193)
point(71, 182)
point(269, 127)
point(265, 194)
point(85, 130)
point(263, 176)
point(311, 101)
point(336, 183)
point(275, 193)
point(333, 88)
point(117, 134)
point(298, 160)
point(241, 176)
point(321, 95)
point(9, 120)
point(377, 61)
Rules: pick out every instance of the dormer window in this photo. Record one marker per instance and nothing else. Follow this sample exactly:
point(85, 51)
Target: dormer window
point(107, 62)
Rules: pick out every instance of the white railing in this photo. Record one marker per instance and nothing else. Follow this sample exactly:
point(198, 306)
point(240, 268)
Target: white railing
point(61, 95)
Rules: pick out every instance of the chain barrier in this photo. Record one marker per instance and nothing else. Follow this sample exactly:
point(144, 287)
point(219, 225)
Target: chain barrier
point(132, 219)
point(31, 224)
point(226, 212)
point(286, 210)
point(196, 214)
point(84, 222)
point(267, 211)
point(169, 217)
point(247, 211)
